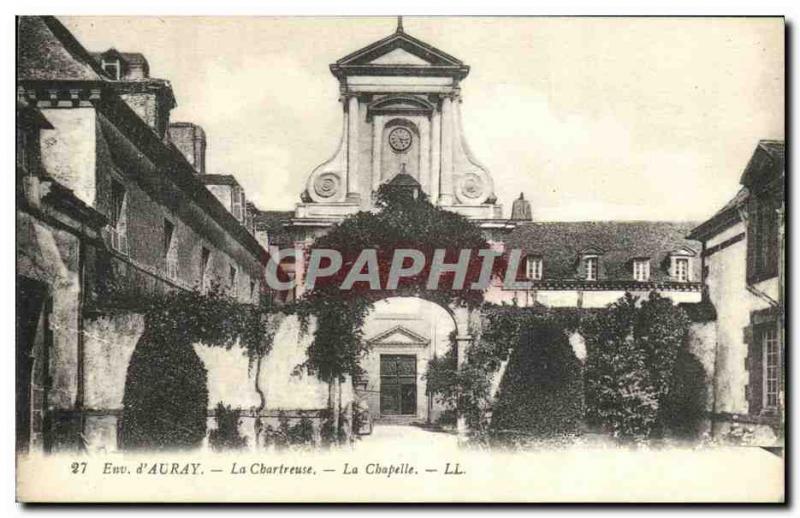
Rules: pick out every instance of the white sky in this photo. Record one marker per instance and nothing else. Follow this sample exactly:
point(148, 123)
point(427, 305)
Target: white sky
point(592, 118)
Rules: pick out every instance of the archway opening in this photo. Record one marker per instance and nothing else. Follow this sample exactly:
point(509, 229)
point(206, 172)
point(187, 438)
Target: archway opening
point(402, 334)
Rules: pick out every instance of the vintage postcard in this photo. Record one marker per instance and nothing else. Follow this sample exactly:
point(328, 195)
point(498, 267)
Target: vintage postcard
point(400, 259)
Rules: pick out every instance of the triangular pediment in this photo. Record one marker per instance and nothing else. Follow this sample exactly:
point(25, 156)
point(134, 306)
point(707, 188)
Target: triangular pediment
point(399, 56)
point(397, 51)
point(398, 335)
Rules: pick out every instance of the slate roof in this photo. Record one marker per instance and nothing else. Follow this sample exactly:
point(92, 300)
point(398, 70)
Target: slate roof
point(48, 51)
point(560, 245)
point(768, 161)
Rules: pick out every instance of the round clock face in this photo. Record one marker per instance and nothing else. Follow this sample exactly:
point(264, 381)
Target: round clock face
point(400, 139)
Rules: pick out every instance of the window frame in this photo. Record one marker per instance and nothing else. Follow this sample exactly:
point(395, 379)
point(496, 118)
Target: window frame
point(205, 261)
point(534, 267)
point(641, 265)
point(771, 372)
point(116, 64)
point(170, 249)
point(594, 260)
point(681, 260)
point(233, 279)
point(118, 217)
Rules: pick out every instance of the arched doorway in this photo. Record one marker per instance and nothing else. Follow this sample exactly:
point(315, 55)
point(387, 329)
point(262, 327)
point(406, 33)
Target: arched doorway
point(403, 334)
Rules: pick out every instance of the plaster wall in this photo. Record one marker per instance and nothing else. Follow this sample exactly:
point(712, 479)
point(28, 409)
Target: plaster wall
point(727, 290)
point(68, 150)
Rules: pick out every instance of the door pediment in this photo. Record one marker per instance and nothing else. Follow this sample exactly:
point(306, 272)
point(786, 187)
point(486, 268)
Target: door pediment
point(398, 336)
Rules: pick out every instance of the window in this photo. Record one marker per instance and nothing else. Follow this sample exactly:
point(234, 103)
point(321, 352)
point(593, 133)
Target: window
point(533, 268)
point(772, 371)
point(641, 270)
point(118, 219)
point(112, 68)
point(232, 279)
point(170, 250)
point(205, 259)
point(236, 202)
point(763, 242)
point(252, 291)
point(590, 264)
point(681, 269)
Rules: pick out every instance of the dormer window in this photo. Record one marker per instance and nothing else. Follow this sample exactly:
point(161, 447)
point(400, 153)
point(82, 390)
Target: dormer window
point(681, 265)
point(682, 269)
point(589, 264)
point(641, 269)
point(533, 268)
point(113, 68)
point(590, 267)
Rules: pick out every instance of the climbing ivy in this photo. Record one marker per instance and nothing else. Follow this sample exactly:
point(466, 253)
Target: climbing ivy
point(402, 221)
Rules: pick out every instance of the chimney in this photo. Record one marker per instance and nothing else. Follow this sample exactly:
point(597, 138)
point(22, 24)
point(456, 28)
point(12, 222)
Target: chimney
point(521, 209)
point(190, 139)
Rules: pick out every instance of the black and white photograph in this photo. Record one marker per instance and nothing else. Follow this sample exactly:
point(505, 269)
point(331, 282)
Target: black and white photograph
point(409, 259)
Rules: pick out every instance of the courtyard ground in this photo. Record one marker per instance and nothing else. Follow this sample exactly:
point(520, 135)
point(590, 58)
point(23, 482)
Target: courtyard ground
point(387, 438)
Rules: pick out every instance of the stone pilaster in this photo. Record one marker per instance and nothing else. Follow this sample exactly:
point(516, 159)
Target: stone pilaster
point(353, 120)
point(446, 175)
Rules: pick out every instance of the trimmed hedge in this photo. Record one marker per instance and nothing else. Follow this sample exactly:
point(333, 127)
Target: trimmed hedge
point(166, 396)
point(684, 407)
point(540, 396)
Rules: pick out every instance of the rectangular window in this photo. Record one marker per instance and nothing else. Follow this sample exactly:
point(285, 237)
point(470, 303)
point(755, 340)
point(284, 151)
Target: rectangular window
point(763, 230)
point(232, 279)
point(533, 268)
point(236, 203)
point(682, 269)
point(118, 218)
point(205, 259)
point(591, 268)
point(111, 68)
point(252, 291)
point(772, 370)
point(641, 270)
point(170, 250)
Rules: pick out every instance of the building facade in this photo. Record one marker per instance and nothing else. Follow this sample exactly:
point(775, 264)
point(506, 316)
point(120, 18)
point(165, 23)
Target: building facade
point(743, 258)
point(402, 125)
point(108, 205)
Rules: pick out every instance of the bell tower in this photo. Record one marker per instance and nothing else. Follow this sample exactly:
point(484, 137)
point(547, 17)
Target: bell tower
point(400, 115)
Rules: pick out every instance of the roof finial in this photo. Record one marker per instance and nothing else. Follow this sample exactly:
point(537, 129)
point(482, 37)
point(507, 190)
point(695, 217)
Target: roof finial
point(399, 24)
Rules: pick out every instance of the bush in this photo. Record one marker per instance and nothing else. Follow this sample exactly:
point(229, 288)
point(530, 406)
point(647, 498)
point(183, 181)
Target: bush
point(684, 407)
point(302, 433)
point(464, 391)
point(632, 351)
point(165, 404)
point(226, 436)
point(540, 395)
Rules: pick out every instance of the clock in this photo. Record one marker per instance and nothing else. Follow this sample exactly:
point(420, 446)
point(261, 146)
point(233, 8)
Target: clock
point(400, 139)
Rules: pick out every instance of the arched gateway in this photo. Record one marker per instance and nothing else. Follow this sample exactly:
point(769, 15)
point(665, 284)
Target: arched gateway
point(404, 334)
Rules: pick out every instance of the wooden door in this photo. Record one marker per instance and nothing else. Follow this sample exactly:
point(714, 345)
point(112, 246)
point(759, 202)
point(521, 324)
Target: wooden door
point(398, 384)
